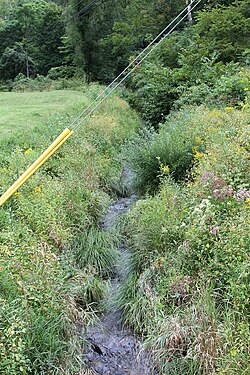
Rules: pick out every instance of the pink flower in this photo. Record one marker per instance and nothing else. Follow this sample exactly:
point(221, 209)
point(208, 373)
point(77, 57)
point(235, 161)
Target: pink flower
point(206, 177)
point(214, 230)
point(242, 194)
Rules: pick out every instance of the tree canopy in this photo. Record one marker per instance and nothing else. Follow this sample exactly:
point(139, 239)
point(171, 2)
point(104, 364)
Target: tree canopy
point(30, 38)
point(99, 37)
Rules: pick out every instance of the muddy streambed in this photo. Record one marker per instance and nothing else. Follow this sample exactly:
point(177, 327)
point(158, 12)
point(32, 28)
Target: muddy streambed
point(111, 348)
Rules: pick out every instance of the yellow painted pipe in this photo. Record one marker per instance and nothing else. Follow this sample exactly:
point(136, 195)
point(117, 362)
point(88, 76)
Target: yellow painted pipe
point(36, 165)
point(41, 157)
point(12, 190)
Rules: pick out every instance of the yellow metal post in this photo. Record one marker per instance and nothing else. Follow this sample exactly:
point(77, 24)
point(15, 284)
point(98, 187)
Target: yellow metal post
point(36, 165)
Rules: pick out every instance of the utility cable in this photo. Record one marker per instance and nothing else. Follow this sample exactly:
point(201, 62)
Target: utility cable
point(131, 63)
point(67, 132)
point(132, 70)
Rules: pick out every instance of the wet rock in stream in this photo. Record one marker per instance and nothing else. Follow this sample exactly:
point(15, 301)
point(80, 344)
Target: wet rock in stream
point(115, 351)
point(112, 349)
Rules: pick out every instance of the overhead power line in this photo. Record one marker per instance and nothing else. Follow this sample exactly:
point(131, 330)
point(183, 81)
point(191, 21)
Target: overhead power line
point(92, 107)
point(116, 82)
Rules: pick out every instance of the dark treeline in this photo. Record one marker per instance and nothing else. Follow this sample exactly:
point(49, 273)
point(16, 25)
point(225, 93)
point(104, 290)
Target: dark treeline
point(97, 38)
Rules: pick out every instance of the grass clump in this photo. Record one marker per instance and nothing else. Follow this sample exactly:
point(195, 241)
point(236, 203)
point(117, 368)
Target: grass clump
point(97, 249)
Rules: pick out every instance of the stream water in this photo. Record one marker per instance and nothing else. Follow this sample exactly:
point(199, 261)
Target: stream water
point(111, 348)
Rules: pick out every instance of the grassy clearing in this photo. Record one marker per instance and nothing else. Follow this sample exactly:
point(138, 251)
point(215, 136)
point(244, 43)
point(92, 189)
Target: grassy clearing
point(44, 293)
point(189, 290)
point(26, 110)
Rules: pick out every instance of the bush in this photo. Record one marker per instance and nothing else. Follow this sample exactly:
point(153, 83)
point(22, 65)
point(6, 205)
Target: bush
point(153, 155)
point(61, 72)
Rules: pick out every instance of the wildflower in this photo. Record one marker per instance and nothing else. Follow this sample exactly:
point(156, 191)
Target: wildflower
point(220, 189)
point(28, 151)
point(165, 169)
point(214, 230)
point(247, 205)
point(198, 139)
point(229, 191)
point(197, 154)
point(215, 113)
point(242, 194)
point(206, 177)
point(37, 189)
point(229, 109)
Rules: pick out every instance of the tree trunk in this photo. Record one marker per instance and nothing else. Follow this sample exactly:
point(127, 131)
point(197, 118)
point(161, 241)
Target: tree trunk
point(27, 65)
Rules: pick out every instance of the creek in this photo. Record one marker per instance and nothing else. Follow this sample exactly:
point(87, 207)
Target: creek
point(111, 348)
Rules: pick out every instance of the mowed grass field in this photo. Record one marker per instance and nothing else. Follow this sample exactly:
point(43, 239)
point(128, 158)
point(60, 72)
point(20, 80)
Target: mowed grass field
point(29, 109)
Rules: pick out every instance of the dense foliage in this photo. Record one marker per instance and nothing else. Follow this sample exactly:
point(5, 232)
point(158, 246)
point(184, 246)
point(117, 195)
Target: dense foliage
point(188, 293)
point(98, 38)
point(30, 39)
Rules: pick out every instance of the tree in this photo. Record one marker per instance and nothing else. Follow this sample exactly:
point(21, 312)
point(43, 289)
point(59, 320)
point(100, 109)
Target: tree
point(14, 61)
point(141, 21)
point(37, 26)
point(89, 23)
point(225, 29)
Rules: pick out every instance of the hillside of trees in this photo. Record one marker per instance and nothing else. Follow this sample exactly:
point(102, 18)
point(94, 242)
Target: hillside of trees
point(96, 39)
point(180, 125)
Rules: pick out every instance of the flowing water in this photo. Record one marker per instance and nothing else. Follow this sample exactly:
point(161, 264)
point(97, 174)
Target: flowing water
point(111, 348)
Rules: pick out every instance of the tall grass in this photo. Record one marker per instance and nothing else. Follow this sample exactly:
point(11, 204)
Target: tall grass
point(45, 294)
point(188, 294)
point(97, 249)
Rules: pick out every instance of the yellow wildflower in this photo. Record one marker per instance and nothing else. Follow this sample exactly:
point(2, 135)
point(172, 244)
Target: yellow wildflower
point(37, 189)
point(198, 139)
point(229, 109)
point(28, 151)
point(198, 155)
point(165, 169)
point(247, 205)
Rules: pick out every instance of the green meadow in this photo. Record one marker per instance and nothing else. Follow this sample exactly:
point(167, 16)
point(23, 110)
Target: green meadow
point(25, 110)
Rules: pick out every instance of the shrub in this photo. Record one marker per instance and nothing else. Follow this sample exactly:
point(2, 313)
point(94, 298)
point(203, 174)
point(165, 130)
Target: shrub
point(154, 154)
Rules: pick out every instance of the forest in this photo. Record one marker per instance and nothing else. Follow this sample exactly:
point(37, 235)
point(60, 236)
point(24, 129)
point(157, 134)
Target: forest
point(137, 230)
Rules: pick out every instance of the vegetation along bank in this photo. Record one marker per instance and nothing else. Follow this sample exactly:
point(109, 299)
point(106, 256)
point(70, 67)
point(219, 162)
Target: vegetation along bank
point(181, 125)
